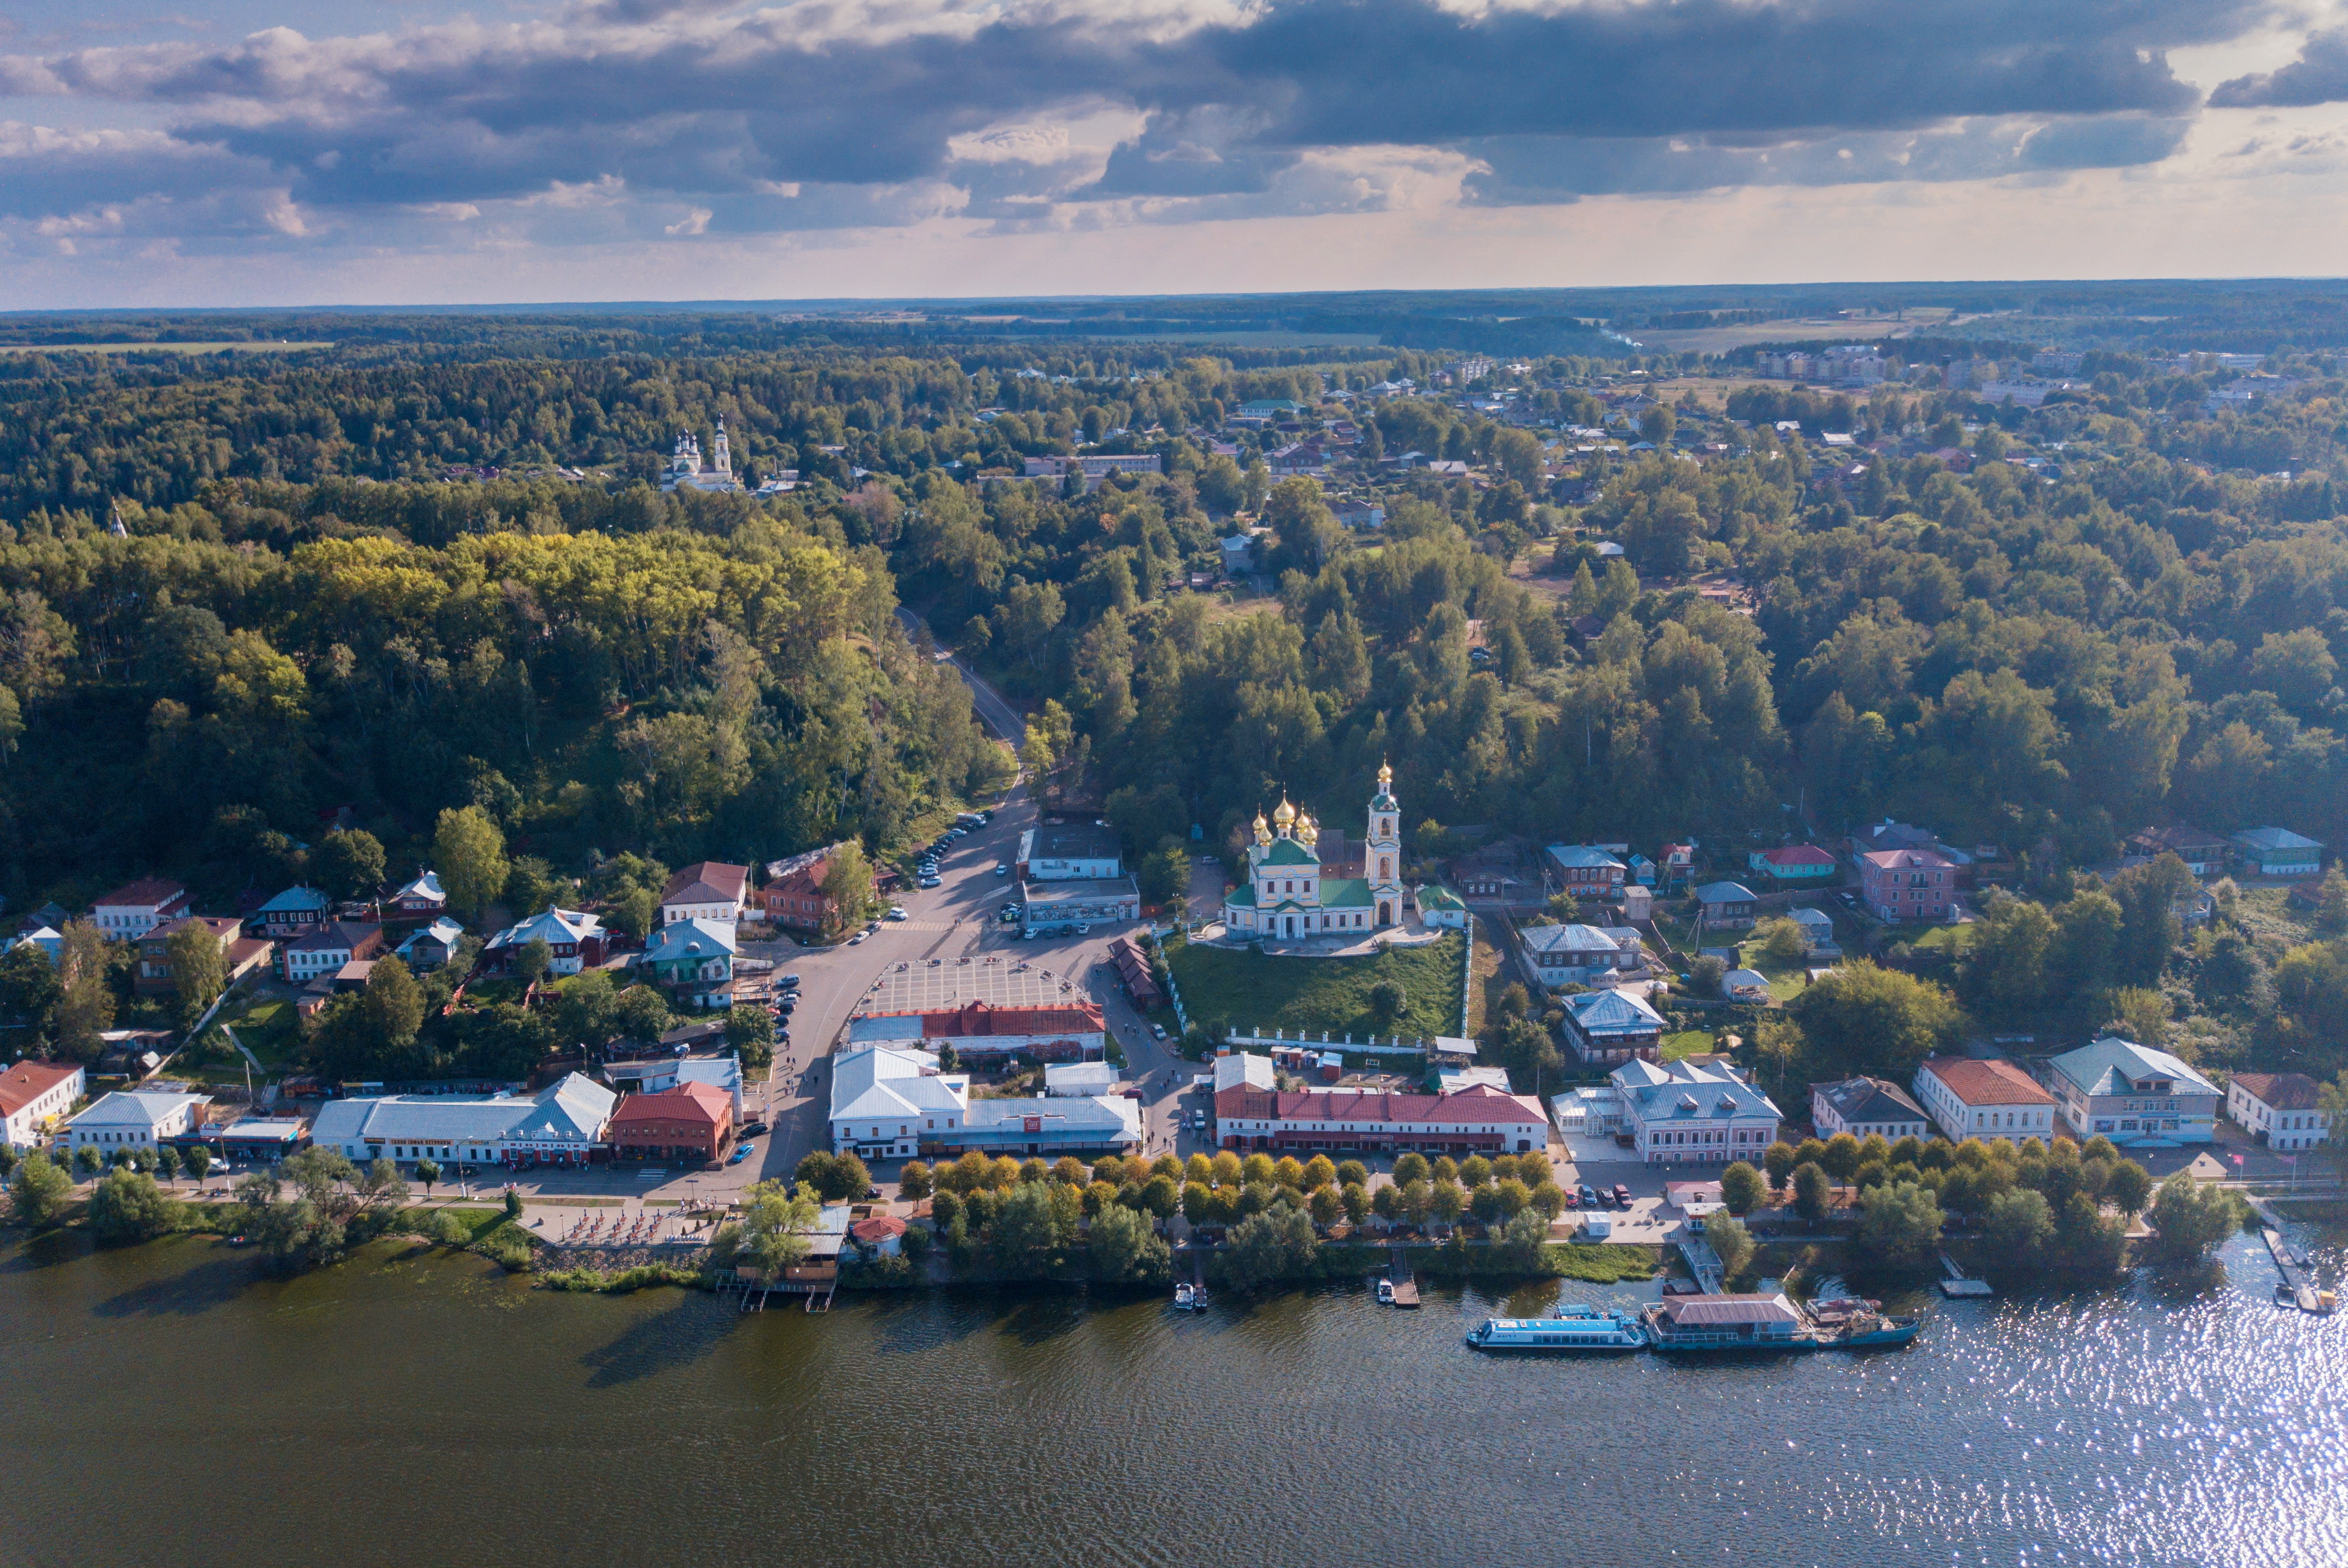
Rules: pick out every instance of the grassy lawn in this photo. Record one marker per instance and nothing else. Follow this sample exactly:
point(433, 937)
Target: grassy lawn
point(1250, 991)
point(1602, 1263)
point(1688, 1043)
point(269, 1030)
point(1950, 939)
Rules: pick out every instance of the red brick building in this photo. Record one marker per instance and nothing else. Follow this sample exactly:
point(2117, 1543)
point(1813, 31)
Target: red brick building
point(793, 897)
point(692, 1122)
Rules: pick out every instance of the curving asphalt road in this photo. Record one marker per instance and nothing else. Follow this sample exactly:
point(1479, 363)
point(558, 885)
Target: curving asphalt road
point(998, 715)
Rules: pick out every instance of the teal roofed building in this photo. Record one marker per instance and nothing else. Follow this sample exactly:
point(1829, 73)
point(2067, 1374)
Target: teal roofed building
point(1438, 905)
point(2279, 853)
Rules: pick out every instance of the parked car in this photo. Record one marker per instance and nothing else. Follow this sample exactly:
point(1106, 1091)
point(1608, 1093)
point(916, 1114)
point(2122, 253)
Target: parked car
point(1158, 1031)
point(789, 982)
point(752, 1128)
point(930, 881)
point(896, 912)
point(1622, 1195)
point(1572, 1199)
point(1589, 1196)
point(859, 936)
point(741, 1151)
point(1002, 868)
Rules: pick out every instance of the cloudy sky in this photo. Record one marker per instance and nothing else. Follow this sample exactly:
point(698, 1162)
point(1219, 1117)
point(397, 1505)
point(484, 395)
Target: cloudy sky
point(304, 152)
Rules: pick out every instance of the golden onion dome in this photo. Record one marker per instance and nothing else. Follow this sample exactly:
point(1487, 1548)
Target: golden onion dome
point(1284, 814)
point(1385, 776)
point(1307, 830)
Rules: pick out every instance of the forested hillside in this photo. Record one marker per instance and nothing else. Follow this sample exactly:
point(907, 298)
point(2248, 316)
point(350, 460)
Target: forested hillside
point(2143, 624)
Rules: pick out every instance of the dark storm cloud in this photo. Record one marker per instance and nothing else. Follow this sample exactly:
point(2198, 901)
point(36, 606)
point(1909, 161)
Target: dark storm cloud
point(1533, 170)
point(2320, 74)
point(691, 101)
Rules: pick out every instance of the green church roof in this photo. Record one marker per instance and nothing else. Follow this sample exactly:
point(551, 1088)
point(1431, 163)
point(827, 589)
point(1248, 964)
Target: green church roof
point(1288, 852)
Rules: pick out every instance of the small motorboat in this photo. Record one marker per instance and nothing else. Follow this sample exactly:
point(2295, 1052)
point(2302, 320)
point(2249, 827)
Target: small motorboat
point(1385, 1291)
point(1190, 1297)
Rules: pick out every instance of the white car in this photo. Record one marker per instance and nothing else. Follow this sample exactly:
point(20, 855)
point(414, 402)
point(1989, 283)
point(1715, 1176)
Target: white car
point(896, 912)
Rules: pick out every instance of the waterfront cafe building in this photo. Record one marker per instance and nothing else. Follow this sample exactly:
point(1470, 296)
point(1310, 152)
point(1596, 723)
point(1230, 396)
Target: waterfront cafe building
point(563, 1124)
point(1478, 1119)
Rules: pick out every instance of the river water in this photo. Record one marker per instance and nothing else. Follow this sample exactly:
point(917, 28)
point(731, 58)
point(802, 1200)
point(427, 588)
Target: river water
point(162, 1405)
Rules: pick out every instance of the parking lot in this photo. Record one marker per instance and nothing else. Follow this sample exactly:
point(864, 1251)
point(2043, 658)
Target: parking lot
point(998, 979)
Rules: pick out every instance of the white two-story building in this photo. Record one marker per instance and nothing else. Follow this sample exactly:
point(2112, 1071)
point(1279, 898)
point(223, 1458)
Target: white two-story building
point(1678, 1112)
point(2281, 1110)
point(1994, 1101)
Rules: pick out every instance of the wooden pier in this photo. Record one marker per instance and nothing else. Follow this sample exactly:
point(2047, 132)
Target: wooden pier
point(1405, 1283)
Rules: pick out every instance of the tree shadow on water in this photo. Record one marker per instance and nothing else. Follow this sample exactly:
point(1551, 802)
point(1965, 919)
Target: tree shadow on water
point(685, 1333)
point(45, 1250)
point(1041, 1316)
point(214, 1283)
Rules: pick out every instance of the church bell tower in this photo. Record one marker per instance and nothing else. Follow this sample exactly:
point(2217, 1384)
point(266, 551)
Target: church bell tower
point(1382, 850)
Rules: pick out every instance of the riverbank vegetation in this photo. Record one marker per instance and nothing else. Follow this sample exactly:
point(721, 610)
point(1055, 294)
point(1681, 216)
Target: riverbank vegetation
point(2037, 1208)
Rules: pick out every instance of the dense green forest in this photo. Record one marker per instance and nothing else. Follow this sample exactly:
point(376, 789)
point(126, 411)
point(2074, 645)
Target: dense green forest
point(300, 617)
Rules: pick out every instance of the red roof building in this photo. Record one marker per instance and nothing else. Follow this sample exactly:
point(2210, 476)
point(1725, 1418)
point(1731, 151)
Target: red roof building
point(33, 1096)
point(1992, 1101)
point(691, 1122)
point(1477, 1119)
point(1792, 863)
point(133, 909)
point(880, 1233)
point(1071, 1034)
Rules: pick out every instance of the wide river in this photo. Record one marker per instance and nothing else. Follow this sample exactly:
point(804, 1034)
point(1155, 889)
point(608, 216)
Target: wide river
point(160, 1405)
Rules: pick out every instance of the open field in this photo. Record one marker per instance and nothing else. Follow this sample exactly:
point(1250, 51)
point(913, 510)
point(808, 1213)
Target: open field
point(1250, 991)
point(1739, 335)
point(159, 347)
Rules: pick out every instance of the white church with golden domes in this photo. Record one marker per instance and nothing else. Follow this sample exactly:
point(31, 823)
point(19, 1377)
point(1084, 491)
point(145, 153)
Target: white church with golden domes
point(1284, 893)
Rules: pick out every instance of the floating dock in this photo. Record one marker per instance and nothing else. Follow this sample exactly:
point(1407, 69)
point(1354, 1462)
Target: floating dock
point(1956, 1282)
point(2298, 1285)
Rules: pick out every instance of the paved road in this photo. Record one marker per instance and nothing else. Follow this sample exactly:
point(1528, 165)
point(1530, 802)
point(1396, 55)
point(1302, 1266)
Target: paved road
point(996, 714)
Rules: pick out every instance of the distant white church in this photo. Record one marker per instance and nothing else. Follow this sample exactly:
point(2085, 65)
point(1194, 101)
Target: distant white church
point(685, 470)
point(1285, 893)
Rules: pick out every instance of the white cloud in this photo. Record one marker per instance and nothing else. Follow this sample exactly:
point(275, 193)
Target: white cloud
point(694, 222)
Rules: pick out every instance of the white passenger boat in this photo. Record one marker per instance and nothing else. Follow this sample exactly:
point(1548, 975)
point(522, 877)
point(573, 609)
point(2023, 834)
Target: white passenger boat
point(1574, 1329)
